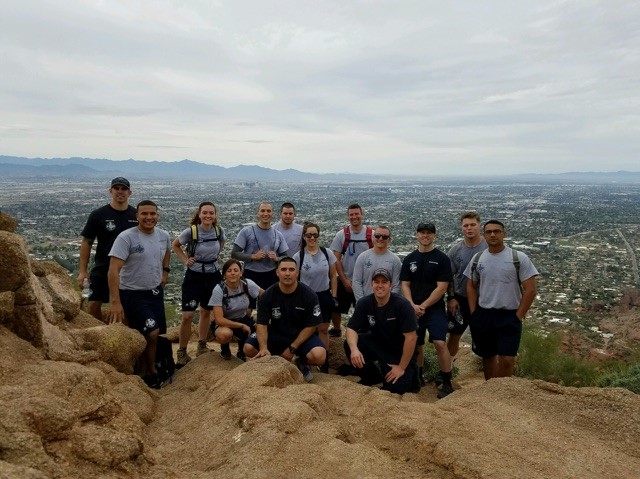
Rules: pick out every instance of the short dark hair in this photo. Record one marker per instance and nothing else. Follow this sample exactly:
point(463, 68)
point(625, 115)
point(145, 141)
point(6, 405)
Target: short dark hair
point(470, 215)
point(145, 203)
point(287, 205)
point(493, 222)
point(383, 227)
point(354, 206)
point(286, 259)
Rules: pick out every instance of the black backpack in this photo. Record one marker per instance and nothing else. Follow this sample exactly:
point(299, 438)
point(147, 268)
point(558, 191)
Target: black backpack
point(165, 365)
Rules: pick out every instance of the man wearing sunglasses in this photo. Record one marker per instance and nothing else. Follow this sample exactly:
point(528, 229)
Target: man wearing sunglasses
point(378, 257)
point(501, 289)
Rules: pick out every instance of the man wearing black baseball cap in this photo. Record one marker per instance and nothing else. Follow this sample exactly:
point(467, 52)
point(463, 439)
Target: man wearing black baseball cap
point(424, 278)
point(383, 329)
point(105, 224)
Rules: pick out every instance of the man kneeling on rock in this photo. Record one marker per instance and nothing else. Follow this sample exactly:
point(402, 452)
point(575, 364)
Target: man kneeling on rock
point(383, 330)
point(288, 317)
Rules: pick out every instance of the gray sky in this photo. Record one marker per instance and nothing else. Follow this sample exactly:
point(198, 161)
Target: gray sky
point(425, 87)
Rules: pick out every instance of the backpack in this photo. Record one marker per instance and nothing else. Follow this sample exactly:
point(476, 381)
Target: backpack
point(476, 259)
point(326, 255)
point(225, 292)
point(165, 365)
point(191, 245)
point(347, 238)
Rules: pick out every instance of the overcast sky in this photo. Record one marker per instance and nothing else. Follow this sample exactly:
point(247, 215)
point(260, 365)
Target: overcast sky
point(425, 87)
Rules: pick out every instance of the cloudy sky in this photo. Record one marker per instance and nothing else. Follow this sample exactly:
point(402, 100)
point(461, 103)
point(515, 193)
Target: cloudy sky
point(431, 87)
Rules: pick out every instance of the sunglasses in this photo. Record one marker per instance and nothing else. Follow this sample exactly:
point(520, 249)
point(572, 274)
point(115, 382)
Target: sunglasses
point(379, 236)
point(311, 235)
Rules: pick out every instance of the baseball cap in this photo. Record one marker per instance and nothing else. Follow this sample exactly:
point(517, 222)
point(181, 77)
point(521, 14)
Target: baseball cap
point(381, 272)
point(120, 181)
point(426, 226)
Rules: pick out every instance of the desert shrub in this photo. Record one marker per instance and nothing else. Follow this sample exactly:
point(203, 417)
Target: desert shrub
point(540, 357)
point(431, 366)
point(629, 378)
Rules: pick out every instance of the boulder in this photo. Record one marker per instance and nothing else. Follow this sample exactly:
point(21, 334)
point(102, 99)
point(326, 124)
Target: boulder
point(7, 222)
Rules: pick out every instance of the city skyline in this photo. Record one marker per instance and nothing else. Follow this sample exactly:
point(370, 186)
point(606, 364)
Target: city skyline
point(410, 87)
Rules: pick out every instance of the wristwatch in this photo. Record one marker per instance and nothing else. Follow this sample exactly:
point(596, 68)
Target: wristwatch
point(167, 269)
point(292, 348)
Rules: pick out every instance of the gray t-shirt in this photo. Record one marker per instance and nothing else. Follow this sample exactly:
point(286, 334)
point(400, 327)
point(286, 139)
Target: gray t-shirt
point(143, 255)
point(460, 255)
point(353, 249)
point(292, 236)
point(314, 272)
point(367, 263)
point(207, 249)
point(499, 286)
point(236, 304)
point(252, 239)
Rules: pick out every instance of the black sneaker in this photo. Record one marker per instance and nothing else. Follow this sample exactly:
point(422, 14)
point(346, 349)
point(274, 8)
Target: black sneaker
point(152, 381)
point(225, 351)
point(445, 390)
point(241, 356)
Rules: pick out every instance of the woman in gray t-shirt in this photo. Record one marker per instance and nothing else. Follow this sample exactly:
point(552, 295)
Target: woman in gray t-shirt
point(230, 301)
point(317, 268)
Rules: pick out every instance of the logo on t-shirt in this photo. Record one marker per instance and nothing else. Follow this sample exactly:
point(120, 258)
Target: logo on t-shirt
point(316, 310)
point(372, 319)
point(110, 225)
point(275, 313)
point(413, 267)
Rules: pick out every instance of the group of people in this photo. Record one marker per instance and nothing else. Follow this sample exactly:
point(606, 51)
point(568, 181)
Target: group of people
point(299, 288)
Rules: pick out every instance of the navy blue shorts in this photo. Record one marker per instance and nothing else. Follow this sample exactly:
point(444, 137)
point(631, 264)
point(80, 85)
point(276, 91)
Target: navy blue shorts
point(455, 327)
point(239, 333)
point(345, 298)
point(144, 310)
point(197, 288)
point(326, 305)
point(495, 332)
point(264, 279)
point(435, 321)
point(99, 288)
point(278, 344)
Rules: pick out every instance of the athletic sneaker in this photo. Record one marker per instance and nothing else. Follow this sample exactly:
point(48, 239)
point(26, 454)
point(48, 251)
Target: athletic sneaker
point(445, 390)
point(241, 356)
point(202, 348)
point(183, 358)
point(225, 351)
point(335, 332)
point(305, 370)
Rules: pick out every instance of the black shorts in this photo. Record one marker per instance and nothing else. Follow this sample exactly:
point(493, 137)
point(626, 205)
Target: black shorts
point(277, 344)
point(345, 299)
point(455, 327)
point(197, 288)
point(495, 332)
point(238, 333)
point(144, 310)
point(99, 288)
point(264, 279)
point(326, 305)
point(435, 321)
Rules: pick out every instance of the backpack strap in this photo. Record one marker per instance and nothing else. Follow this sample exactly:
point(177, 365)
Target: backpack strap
point(516, 263)
point(326, 255)
point(347, 238)
point(191, 246)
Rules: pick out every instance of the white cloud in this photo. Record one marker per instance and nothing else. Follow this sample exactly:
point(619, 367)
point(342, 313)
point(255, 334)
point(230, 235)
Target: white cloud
point(378, 86)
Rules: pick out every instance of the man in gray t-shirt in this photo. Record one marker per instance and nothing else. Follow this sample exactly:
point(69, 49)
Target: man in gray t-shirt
point(378, 257)
point(497, 303)
point(291, 231)
point(138, 271)
point(259, 246)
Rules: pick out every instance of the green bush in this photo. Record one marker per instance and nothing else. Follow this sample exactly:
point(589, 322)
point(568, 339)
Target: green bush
point(629, 379)
point(540, 357)
point(431, 366)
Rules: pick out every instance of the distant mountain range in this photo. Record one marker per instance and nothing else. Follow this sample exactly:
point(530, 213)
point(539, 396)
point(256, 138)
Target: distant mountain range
point(89, 168)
